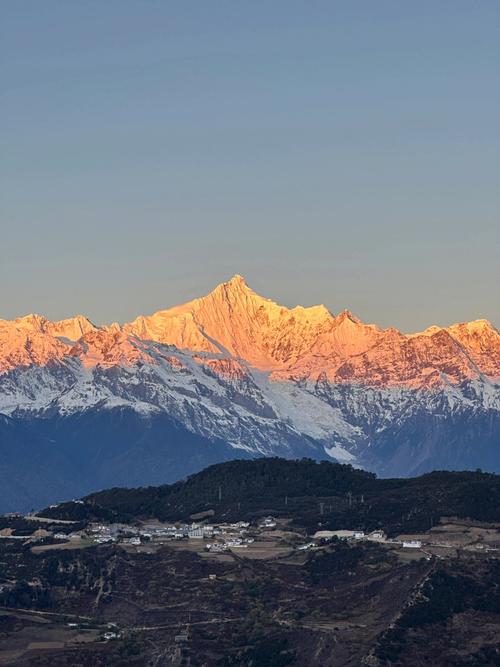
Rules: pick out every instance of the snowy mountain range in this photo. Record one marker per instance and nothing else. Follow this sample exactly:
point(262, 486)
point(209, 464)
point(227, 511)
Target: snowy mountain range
point(234, 374)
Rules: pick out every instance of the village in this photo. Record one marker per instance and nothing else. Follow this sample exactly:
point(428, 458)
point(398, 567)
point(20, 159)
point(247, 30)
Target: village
point(216, 538)
point(224, 555)
point(265, 538)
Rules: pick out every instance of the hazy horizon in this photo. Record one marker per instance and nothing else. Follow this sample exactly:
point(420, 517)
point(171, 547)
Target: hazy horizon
point(329, 153)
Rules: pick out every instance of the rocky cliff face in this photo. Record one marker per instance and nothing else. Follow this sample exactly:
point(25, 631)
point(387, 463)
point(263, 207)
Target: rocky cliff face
point(236, 368)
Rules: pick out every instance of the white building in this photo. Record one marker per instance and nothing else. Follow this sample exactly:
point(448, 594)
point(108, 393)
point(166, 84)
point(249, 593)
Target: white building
point(195, 533)
point(412, 544)
point(377, 536)
point(341, 534)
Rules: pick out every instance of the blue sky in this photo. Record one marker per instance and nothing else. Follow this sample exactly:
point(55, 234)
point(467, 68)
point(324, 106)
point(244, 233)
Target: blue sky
point(337, 152)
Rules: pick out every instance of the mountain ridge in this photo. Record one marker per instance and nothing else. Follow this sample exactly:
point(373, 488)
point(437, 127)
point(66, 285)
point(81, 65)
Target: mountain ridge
point(235, 368)
point(235, 321)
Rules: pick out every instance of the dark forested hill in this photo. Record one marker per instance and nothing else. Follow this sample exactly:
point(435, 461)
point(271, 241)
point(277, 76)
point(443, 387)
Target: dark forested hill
point(312, 493)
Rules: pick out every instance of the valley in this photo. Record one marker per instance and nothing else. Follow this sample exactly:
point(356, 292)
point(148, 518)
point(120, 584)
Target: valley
point(264, 576)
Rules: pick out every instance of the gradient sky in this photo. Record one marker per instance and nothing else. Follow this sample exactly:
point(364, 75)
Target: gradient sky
point(343, 152)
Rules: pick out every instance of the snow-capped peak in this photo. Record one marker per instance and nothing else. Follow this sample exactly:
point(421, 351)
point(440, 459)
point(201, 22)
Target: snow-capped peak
point(306, 342)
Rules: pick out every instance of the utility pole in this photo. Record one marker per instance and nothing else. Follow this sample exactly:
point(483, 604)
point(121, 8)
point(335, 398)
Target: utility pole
point(220, 493)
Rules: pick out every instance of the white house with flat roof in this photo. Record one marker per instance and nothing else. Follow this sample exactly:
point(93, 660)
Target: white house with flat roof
point(412, 544)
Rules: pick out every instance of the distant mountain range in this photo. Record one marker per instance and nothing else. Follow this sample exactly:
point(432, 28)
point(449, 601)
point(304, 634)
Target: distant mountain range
point(234, 374)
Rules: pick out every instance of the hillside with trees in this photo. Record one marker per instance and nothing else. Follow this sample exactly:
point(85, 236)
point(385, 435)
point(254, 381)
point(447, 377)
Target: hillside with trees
point(333, 495)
